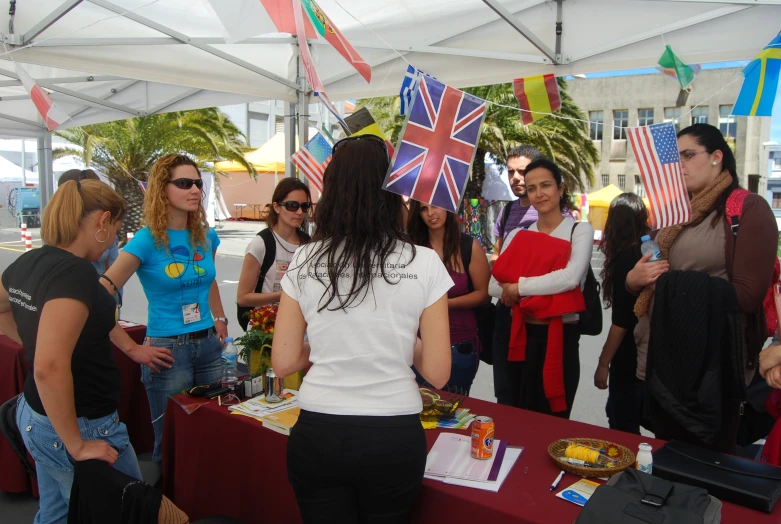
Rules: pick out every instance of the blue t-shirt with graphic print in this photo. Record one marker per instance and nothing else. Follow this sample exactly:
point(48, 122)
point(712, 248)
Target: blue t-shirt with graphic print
point(174, 279)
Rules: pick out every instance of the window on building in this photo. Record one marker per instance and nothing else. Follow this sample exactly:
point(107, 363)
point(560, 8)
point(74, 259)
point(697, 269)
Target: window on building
point(622, 182)
point(777, 163)
point(700, 115)
point(776, 200)
point(673, 114)
point(620, 123)
point(646, 116)
point(639, 189)
point(258, 129)
point(753, 183)
point(728, 123)
point(595, 124)
point(279, 124)
point(605, 180)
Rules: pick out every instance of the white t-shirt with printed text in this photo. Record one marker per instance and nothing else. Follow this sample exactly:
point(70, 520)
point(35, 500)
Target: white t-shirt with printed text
point(361, 356)
point(284, 254)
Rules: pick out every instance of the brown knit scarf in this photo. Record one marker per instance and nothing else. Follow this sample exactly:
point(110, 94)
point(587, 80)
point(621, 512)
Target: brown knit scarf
point(702, 206)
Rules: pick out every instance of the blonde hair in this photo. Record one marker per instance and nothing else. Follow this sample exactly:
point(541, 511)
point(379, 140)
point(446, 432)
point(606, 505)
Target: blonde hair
point(72, 202)
point(156, 203)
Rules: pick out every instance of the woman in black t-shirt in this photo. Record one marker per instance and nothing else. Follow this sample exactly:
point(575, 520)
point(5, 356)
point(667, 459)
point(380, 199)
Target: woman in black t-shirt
point(52, 303)
point(627, 221)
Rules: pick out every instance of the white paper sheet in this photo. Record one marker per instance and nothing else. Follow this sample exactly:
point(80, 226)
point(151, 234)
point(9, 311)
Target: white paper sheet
point(510, 458)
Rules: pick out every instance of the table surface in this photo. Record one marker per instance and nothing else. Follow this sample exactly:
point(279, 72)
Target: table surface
point(133, 405)
point(211, 443)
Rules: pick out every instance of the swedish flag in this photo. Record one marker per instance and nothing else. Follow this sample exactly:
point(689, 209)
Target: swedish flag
point(760, 82)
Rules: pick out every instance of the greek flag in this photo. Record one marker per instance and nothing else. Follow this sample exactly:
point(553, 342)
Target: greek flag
point(408, 86)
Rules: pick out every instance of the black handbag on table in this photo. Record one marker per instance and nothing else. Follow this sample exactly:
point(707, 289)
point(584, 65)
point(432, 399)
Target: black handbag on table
point(732, 479)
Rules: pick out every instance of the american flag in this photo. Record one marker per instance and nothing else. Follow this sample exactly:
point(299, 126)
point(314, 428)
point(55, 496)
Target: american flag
point(437, 146)
point(656, 151)
point(313, 158)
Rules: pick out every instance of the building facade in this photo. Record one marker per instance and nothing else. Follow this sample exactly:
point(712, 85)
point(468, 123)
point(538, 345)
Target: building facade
point(774, 178)
point(616, 103)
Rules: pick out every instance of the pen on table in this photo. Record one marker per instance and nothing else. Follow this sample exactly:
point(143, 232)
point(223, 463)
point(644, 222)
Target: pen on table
point(556, 482)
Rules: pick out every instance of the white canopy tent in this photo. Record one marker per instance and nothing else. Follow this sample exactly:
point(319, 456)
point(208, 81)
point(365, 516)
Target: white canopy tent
point(113, 59)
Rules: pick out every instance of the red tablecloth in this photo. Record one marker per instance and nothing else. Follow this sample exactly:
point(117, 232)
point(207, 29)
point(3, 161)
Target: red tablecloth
point(133, 406)
point(249, 462)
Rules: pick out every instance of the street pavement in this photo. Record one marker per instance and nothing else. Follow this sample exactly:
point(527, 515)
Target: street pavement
point(234, 236)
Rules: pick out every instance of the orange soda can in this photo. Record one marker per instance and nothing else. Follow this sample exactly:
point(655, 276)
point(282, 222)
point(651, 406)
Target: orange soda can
point(483, 438)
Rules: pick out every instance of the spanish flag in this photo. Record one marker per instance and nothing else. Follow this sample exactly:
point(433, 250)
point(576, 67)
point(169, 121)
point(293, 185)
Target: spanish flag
point(538, 96)
point(760, 82)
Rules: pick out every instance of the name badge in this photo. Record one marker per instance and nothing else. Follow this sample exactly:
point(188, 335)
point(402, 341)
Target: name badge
point(191, 313)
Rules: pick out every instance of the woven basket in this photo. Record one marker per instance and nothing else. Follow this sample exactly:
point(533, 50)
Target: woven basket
point(624, 457)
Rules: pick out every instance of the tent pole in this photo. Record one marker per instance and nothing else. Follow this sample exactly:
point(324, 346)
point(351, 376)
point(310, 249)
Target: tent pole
point(303, 106)
point(290, 126)
point(45, 180)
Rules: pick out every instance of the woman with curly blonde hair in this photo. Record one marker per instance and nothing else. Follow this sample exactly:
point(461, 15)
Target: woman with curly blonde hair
point(174, 258)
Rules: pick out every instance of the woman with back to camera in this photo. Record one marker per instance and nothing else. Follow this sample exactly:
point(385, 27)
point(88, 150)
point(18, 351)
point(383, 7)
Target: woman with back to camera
point(543, 384)
point(433, 227)
point(361, 290)
point(626, 223)
point(174, 256)
point(52, 303)
point(270, 251)
point(707, 244)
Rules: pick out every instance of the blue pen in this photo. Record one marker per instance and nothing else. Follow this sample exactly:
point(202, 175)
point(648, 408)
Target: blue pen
point(556, 482)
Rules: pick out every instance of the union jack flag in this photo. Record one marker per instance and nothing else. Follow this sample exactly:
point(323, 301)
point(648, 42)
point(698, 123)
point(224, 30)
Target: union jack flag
point(437, 146)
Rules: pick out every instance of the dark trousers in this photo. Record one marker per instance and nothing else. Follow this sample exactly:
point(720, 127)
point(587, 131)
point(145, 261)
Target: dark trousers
point(356, 469)
point(502, 388)
point(465, 359)
point(624, 406)
point(529, 380)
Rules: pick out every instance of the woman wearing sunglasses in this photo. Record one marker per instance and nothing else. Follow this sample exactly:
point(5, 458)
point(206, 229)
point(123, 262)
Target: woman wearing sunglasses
point(270, 252)
point(361, 290)
point(174, 258)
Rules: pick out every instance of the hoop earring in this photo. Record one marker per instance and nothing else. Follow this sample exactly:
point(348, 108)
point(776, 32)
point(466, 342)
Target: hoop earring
point(99, 240)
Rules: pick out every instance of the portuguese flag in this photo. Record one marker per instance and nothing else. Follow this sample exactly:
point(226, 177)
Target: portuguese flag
point(537, 95)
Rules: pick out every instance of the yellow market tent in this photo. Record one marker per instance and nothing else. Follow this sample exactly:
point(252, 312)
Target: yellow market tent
point(268, 158)
point(599, 204)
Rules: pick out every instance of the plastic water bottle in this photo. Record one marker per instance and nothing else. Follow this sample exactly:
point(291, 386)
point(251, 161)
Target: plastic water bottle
point(649, 246)
point(230, 373)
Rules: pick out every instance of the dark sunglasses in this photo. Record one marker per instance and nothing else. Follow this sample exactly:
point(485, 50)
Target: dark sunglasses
point(293, 206)
point(187, 183)
point(373, 138)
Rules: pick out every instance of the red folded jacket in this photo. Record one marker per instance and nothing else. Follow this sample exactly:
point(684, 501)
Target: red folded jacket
point(533, 254)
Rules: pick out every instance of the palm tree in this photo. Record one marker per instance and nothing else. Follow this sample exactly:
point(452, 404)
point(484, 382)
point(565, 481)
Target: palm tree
point(566, 141)
point(125, 150)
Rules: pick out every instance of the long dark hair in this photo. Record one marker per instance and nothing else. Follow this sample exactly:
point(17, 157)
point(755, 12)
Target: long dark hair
point(358, 224)
point(711, 139)
point(551, 166)
point(418, 232)
point(627, 221)
point(283, 189)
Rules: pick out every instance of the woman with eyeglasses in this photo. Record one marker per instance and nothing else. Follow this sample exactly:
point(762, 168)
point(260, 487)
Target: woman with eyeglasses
point(362, 291)
point(52, 304)
point(710, 243)
point(174, 259)
point(270, 252)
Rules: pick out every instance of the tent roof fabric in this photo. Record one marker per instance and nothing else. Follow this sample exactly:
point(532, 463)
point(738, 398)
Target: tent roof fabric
point(268, 158)
point(113, 59)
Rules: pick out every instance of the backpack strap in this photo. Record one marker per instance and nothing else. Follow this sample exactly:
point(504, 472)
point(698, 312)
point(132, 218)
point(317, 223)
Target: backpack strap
point(734, 208)
point(268, 259)
point(466, 257)
point(505, 217)
point(571, 233)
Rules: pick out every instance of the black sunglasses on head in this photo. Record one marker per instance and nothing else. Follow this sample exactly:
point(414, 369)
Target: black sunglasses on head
point(373, 138)
point(187, 183)
point(292, 206)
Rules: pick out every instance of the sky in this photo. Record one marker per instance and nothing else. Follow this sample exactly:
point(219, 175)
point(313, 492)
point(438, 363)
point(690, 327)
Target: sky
point(775, 123)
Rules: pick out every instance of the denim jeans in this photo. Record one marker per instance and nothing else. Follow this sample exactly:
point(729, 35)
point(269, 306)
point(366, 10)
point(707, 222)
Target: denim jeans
point(196, 363)
point(55, 466)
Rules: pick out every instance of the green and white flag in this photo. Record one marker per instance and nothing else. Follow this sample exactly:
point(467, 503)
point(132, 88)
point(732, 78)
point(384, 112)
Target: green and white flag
point(672, 66)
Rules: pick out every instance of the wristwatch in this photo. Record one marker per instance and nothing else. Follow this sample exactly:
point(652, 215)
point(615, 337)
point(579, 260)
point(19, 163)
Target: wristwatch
point(221, 319)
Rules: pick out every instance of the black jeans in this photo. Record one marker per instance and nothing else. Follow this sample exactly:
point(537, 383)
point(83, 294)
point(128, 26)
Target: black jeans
point(503, 389)
point(351, 469)
point(624, 408)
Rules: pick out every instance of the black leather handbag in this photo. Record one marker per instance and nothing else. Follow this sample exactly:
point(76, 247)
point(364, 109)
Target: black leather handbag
point(732, 479)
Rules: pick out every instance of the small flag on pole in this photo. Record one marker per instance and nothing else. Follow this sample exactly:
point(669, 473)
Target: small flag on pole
point(760, 83)
point(672, 66)
point(408, 86)
point(313, 158)
point(656, 151)
point(537, 95)
point(52, 115)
